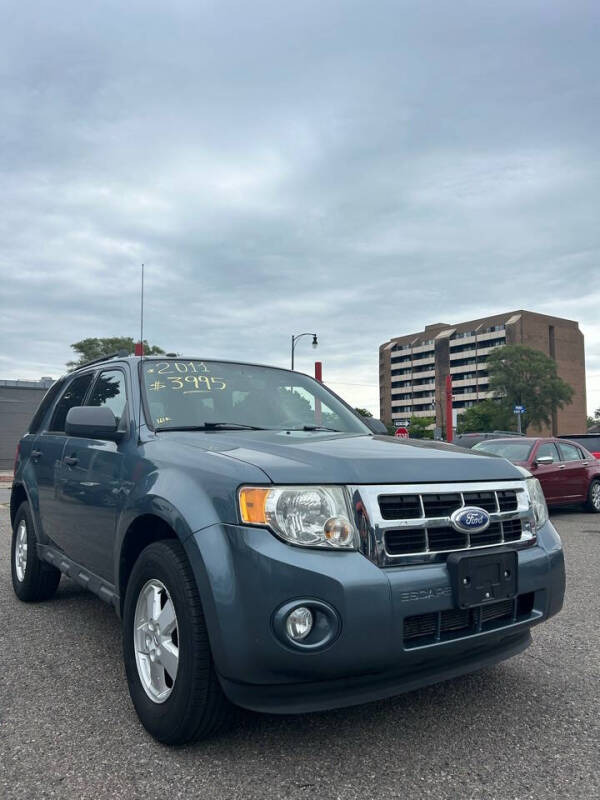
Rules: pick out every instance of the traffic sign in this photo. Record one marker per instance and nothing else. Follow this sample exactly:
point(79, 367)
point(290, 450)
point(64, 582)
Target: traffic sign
point(519, 409)
point(401, 433)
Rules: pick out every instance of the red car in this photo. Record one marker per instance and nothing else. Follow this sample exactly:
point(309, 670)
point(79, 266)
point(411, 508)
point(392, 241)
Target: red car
point(567, 471)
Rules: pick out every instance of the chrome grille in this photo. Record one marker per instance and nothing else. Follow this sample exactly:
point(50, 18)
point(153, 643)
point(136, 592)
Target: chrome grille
point(413, 521)
point(400, 506)
point(447, 538)
point(440, 505)
point(507, 500)
point(444, 504)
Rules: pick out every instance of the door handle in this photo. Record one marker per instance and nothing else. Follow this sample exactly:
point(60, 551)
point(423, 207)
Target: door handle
point(562, 466)
point(71, 460)
point(36, 455)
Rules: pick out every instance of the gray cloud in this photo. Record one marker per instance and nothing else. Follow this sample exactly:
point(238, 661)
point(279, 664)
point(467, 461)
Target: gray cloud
point(358, 171)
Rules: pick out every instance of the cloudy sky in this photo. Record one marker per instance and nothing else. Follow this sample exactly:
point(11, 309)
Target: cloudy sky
point(355, 169)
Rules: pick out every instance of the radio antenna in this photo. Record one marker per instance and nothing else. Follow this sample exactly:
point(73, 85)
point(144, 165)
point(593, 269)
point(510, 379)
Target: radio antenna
point(142, 316)
point(141, 353)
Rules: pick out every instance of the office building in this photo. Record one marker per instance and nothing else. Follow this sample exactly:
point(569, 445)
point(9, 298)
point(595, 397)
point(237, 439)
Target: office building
point(413, 367)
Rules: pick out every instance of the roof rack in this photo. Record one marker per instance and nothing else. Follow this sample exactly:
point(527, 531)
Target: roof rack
point(117, 354)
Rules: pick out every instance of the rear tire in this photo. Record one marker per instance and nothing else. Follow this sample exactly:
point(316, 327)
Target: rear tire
point(32, 579)
point(178, 701)
point(593, 500)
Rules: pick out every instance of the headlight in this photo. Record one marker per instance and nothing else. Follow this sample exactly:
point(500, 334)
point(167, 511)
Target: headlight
point(538, 501)
point(311, 516)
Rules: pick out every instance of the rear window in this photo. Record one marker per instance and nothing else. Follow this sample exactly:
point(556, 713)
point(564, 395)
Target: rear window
point(43, 407)
point(591, 443)
point(569, 452)
point(514, 451)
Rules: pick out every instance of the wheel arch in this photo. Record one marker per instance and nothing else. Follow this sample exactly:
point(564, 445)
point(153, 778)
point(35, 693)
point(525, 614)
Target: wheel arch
point(142, 531)
point(18, 495)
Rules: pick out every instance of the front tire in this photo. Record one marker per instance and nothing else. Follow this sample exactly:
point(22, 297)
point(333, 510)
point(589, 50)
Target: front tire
point(593, 501)
point(171, 675)
point(32, 579)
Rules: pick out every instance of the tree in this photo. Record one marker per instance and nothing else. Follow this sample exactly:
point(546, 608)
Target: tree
point(520, 375)
point(363, 412)
point(485, 416)
point(595, 419)
point(420, 427)
point(296, 406)
point(89, 349)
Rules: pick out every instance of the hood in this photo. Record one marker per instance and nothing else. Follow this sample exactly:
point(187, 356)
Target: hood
point(315, 457)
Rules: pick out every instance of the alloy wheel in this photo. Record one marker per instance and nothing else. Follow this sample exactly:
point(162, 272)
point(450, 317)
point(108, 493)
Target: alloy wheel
point(21, 551)
point(595, 495)
point(156, 640)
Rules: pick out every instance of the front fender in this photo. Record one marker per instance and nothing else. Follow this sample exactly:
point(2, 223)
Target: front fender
point(188, 509)
point(198, 491)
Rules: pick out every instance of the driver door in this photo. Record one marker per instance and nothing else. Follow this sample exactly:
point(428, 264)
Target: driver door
point(47, 464)
point(91, 478)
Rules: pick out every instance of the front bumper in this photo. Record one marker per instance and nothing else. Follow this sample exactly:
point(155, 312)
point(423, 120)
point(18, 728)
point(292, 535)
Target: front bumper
point(300, 698)
point(244, 574)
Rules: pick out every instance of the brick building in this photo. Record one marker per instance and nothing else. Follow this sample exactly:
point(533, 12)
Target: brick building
point(413, 368)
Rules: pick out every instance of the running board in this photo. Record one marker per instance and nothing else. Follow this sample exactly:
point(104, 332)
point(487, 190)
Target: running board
point(104, 590)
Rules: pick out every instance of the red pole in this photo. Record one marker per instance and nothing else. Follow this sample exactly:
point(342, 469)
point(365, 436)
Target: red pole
point(319, 377)
point(448, 408)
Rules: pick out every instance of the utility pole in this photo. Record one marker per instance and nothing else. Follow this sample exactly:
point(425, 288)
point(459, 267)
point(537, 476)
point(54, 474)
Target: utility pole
point(449, 432)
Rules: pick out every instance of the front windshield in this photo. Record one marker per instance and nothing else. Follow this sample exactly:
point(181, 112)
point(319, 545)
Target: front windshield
point(514, 451)
point(186, 394)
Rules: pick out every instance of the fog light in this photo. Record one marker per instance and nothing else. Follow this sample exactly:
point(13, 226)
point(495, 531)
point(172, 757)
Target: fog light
point(299, 623)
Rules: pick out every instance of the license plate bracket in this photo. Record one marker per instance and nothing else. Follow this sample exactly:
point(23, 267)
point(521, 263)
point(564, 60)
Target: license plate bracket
point(480, 579)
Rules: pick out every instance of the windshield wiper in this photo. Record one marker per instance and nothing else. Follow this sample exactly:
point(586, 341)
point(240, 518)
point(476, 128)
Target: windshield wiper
point(212, 426)
point(313, 428)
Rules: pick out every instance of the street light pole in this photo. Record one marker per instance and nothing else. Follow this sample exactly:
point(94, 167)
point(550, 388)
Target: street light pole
point(299, 336)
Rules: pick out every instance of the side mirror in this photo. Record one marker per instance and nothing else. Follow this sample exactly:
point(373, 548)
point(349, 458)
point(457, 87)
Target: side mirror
point(544, 460)
point(92, 422)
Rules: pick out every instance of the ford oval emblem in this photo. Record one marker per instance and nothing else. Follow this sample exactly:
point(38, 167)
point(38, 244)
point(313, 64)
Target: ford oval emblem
point(470, 519)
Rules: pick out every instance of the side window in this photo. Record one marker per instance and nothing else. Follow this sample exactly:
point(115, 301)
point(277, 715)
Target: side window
point(109, 391)
point(43, 407)
point(74, 395)
point(548, 449)
point(568, 452)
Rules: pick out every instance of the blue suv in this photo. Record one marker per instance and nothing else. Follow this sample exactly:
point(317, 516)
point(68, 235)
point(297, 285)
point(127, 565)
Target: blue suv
point(264, 549)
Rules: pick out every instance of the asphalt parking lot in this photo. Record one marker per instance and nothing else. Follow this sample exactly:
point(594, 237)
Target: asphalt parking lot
point(527, 728)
